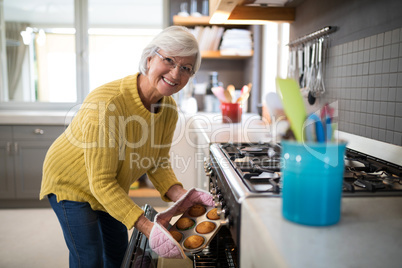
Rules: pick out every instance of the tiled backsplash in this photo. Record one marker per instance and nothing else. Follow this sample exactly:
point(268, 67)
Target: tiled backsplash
point(365, 77)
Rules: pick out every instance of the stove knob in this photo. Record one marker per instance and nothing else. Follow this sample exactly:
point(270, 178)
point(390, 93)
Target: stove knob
point(218, 197)
point(207, 165)
point(222, 212)
point(212, 191)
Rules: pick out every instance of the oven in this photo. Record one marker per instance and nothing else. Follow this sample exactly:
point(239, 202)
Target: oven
point(238, 171)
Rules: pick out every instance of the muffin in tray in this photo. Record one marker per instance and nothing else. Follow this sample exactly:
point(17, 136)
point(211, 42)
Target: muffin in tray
point(194, 241)
point(196, 210)
point(185, 223)
point(205, 227)
point(176, 235)
point(213, 214)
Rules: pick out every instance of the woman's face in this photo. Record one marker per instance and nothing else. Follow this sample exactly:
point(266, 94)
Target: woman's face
point(164, 77)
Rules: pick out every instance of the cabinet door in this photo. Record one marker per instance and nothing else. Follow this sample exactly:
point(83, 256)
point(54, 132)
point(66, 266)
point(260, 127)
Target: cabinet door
point(7, 189)
point(29, 159)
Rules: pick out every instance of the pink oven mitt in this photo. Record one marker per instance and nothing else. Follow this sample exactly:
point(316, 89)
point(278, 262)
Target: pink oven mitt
point(163, 243)
point(160, 240)
point(192, 197)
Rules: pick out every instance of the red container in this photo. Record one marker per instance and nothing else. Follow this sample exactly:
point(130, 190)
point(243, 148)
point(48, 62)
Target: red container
point(231, 112)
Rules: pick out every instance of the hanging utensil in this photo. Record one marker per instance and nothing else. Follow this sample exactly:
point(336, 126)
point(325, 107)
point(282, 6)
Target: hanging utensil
point(300, 62)
point(312, 74)
point(319, 87)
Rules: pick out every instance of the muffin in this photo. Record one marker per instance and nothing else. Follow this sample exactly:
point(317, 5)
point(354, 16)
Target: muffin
point(196, 211)
point(205, 227)
point(194, 241)
point(213, 214)
point(184, 223)
point(176, 235)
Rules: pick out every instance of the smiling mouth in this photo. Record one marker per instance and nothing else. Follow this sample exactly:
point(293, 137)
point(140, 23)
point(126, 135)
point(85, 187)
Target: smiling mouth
point(168, 82)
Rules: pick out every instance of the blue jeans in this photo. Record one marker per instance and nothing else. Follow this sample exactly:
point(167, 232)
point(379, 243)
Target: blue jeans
point(94, 238)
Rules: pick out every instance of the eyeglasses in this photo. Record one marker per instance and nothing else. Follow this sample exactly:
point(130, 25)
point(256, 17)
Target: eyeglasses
point(184, 70)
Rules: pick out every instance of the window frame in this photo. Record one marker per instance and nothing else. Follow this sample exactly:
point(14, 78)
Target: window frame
point(81, 24)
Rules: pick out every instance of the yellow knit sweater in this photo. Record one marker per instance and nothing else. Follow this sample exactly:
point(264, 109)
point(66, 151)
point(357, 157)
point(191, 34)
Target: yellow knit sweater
point(110, 143)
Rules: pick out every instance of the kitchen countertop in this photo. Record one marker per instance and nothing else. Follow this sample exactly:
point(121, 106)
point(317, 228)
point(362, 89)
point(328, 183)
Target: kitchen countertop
point(368, 235)
point(251, 129)
point(35, 117)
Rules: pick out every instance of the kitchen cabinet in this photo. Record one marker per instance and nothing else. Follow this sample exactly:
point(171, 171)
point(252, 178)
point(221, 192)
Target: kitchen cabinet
point(22, 151)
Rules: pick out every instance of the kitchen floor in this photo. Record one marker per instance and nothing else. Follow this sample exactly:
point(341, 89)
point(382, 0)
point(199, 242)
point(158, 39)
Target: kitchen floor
point(32, 238)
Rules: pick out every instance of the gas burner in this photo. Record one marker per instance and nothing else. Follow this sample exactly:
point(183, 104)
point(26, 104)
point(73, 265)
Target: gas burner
point(258, 166)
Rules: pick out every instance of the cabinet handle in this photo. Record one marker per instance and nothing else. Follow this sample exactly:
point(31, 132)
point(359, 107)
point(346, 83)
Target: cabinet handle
point(16, 147)
point(39, 131)
point(8, 147)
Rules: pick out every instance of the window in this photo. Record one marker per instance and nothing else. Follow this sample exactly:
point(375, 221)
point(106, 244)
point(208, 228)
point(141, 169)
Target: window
point(40, 63)
point(275, 40)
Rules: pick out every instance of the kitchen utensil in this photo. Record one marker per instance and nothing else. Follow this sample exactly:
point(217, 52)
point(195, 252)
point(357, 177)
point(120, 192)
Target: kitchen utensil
point(243, 97)
point(311, 76)
point(219, 92)
point(232, 91)
point(228, 96)
point(328, 129)
point(293, 104)
point(309, 130)
point(292, 63)
point(274, 105)
point(319, 87)
point(319, 128)
point(326, 117)
point(300, 61)
point(249, 86)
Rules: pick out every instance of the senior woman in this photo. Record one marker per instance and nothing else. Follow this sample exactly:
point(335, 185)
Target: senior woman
point(123, 130)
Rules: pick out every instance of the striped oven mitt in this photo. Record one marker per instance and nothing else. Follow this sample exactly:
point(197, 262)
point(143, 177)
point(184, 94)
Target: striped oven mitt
point(160, 239)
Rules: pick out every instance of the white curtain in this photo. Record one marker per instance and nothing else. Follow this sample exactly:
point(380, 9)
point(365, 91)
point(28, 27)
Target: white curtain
point(15, 54)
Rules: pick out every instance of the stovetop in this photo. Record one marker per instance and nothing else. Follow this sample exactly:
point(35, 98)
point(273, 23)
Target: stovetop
point(258, 166)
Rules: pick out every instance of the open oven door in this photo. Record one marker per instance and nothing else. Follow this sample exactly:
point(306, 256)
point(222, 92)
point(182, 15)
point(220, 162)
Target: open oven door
point(138, 253)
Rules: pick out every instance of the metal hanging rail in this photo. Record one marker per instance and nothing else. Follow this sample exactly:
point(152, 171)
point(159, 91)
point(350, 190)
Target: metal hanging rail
point(314, 35)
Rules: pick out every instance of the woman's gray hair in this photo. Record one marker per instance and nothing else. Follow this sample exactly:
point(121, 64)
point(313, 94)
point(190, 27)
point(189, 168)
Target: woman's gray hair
point(176, 41)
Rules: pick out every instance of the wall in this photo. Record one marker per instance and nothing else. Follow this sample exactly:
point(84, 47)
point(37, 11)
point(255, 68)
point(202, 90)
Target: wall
point(364, 63)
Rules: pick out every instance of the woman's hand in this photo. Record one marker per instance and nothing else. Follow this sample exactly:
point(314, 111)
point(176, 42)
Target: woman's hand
point(144, 225)
point(175, 192)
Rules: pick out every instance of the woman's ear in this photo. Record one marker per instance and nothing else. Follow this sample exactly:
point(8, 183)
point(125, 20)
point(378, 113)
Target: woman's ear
point(148, 62)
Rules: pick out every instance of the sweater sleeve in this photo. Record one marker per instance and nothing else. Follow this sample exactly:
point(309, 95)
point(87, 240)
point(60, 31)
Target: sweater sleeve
point(163, 176)
point(101, 161)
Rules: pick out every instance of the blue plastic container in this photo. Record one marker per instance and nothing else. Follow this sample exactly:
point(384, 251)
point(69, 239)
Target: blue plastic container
point(312, 176)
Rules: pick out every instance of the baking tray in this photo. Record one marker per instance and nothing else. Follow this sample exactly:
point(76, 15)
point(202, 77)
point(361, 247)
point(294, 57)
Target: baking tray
point(192, 231)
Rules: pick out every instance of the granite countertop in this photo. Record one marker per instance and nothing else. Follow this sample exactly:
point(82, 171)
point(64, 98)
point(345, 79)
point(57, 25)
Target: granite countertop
point(368, 235)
